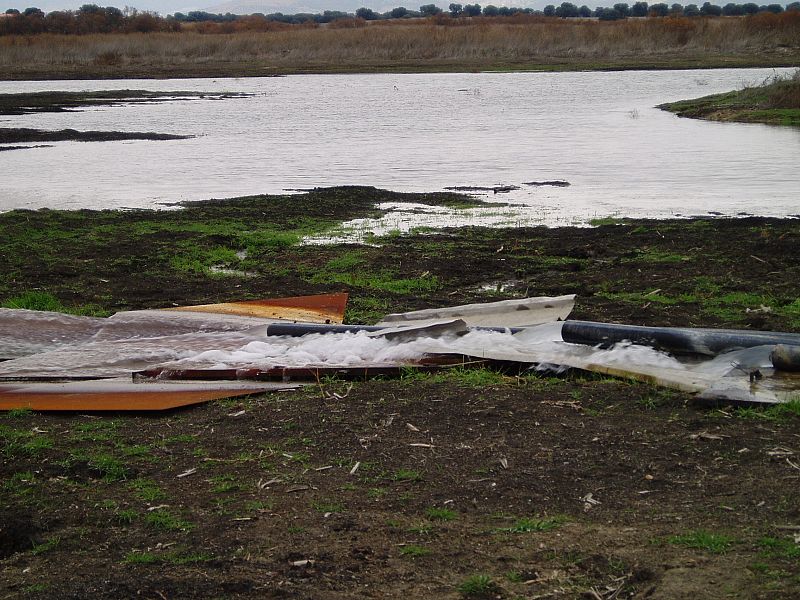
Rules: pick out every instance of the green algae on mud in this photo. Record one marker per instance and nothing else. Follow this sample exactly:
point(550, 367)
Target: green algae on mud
point(670, 272)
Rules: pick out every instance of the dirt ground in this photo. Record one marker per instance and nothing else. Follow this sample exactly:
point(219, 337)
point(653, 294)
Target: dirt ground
point(548, 488)
point(469, 484)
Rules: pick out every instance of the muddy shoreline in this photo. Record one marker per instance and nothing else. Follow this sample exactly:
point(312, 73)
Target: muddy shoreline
point(649, 272)
point(461, 485)
point(42, 102)
point(10, 135)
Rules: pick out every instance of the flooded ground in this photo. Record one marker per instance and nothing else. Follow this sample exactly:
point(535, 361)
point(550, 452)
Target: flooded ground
point(597, 131)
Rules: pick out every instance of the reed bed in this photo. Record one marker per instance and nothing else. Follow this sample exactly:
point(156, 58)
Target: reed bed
point(423, 44)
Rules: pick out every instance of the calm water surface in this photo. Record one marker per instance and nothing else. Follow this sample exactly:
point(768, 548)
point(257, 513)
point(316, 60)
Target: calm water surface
point(422, 132)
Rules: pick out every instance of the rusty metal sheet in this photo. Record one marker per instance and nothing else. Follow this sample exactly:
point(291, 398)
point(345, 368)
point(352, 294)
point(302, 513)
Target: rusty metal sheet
point(322, 308)
point(122, 395)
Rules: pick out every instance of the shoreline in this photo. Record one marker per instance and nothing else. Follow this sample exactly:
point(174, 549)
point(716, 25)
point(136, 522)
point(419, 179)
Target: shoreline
point(243, 70)
point(775, 102)
point(117, 260)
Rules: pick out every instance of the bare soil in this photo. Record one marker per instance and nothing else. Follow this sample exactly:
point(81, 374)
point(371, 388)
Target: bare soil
point(308, 495)
point(452, 486)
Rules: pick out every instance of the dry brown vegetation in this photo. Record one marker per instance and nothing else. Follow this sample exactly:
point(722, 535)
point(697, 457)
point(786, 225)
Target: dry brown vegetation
point(519, 43)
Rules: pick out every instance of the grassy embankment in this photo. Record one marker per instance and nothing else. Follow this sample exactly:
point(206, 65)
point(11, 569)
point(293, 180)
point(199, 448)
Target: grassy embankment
point(425, 45)
point(251, 248)
point(776, 102)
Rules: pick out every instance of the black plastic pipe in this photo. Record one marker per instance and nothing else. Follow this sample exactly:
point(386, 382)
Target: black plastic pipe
point(298, 329)
point(673, 339)
point(786, 358)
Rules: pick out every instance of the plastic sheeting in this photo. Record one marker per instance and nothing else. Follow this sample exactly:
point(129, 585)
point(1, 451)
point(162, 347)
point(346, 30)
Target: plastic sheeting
point(64, 347)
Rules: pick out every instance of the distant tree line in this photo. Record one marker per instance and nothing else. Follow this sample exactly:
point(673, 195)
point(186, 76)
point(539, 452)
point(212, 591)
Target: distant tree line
point(91, 18)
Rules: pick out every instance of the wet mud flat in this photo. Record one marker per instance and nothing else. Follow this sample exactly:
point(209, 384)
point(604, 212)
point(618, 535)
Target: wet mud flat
point(38, 102)
point(9, 135)
point(462, 484)
point(714, 272)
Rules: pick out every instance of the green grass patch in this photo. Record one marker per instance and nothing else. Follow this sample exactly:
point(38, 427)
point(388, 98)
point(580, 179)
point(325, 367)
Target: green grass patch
point(600, 221)
point(407, 475)
point(648, 402)
point(476, 586)
point(166, 558)
point(421, 529)
point(224, 484)
point(110, 467)
point(776, 101)
point(776, 413)
point(125, 516)
point(197, 261)
point(366, 310)
point(703, 540)
point(327, 506)
point(414, 551)
point(468, 377)
point(135, 451)
point(385, 281)
point(19, 413)
point(164, 520)
point(781, 548)
point(19, 484)
point(47, 546)
point(35, 300)
point(656, 256)
point(464, 376)
point(15, 442)
point(147, 490)
point(45, 301)
point(346, 261)
point(441, 514)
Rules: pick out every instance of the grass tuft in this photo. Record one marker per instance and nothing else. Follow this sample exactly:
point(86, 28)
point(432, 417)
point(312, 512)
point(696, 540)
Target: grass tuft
point(703, 540)
point(476, 586)
point(413, 551)
point(164, 520)
point(441, 514)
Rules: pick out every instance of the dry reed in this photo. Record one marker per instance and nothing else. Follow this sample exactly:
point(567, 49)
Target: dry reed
point(484, 43)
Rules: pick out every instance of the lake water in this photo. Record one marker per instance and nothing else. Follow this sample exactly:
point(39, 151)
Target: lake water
point(423, 132)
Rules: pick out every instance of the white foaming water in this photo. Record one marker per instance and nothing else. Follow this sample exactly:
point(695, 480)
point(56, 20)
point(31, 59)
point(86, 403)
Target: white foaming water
point(251, 348)
point(315, 350)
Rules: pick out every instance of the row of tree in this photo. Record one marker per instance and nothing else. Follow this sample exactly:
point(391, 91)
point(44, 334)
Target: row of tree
point(643, 9)
point(91, 18)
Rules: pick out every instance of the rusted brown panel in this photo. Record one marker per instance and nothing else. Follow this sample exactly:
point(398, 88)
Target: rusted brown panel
point(123, 401)
point(322, 308)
